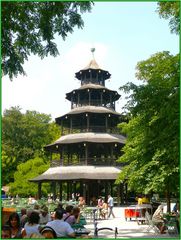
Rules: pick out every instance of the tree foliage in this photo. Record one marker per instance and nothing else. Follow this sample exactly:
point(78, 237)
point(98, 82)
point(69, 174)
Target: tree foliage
point(23, 138)
point(25, 172)
point(171, 10)
point(30, 28)
point(152, 147)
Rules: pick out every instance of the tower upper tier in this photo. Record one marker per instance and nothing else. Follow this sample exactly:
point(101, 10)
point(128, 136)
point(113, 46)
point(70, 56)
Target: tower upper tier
point(92, 73)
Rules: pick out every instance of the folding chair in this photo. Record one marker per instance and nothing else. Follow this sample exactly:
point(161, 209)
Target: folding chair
point(151, 224)
point(172, 228)
point(105, 228)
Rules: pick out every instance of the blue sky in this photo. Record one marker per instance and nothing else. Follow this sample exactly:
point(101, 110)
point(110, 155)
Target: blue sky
point(123, 34)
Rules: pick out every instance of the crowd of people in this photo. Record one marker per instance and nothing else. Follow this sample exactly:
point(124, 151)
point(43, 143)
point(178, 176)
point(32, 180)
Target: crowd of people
point(39, 223)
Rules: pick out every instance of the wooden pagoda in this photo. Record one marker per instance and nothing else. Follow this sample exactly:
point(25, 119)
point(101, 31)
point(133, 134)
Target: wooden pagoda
point(90, 142)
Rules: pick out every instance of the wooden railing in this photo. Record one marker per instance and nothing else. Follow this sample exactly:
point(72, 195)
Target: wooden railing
point(86, 162)
point(93, 103)
point(100, 129)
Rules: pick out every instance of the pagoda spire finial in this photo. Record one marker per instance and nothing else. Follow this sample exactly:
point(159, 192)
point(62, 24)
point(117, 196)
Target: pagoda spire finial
point(92, 51)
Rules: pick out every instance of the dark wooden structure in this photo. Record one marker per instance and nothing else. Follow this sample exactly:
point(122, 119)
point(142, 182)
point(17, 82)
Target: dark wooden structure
point(90, 143)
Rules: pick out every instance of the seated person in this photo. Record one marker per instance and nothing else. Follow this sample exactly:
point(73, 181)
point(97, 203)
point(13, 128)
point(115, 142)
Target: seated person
point(94, 202)
point(76, 214)
point(60, 207)
point(68, 216)
point(104, 210)
point(81, 202)
point(31, 200)
point(36, 208)
point(145, 199)
point(157, 218)
point(32, 226)
point(100, 202)
point(62, 228)
point(44, 215)
point(34, 235)
point(176, 209)
point(176, 212)
point(14, 223)
point(50, 200)
point(79, 219)
point(100, 205)
point(140, 200)
point(24, 217)
point(48, 232)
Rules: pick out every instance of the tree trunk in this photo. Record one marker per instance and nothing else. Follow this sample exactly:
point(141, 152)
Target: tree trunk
point(168, 199)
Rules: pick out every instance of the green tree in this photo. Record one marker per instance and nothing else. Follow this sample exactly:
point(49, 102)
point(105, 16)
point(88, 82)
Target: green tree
point(26, 171)
point(30, 28)
point(23, 138)
point(170, 10)
point(152, 146)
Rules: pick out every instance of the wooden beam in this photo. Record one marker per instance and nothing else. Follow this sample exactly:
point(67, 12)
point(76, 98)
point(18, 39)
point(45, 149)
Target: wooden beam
point(60, 191)
point(39, 190)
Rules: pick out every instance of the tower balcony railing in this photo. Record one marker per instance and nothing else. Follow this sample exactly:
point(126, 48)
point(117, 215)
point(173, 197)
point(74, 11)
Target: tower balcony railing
point(100, 129)
point(93, 103)
point(86, 162)
point(92, 80)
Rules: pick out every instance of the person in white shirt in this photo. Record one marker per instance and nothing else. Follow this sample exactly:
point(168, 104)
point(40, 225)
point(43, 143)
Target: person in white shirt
point(110, 203)
point(62, 228)
point(158, 220)
point(32, 226)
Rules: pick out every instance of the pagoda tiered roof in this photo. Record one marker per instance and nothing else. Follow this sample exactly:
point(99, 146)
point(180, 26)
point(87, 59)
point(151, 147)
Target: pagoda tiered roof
point(94, 67)
point(93, 87)
point(90, 137)
point(88, 109)
point(79, 172)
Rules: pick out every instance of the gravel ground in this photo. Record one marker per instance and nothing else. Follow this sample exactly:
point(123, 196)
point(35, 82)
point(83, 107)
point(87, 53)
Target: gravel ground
point(126, 229)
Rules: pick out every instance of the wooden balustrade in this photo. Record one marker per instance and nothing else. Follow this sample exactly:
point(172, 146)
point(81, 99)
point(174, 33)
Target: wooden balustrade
point(88, 162)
